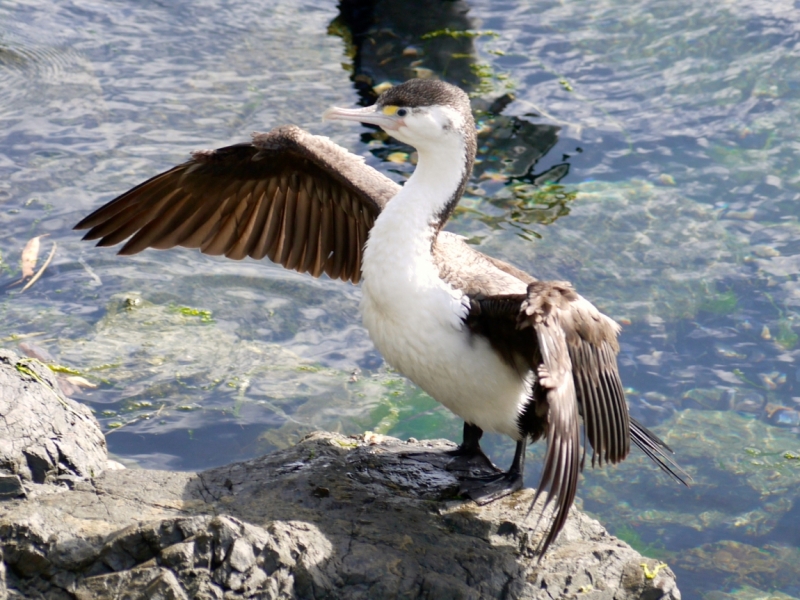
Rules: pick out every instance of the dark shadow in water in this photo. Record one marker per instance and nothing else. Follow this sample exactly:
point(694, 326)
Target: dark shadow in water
point(391, 41)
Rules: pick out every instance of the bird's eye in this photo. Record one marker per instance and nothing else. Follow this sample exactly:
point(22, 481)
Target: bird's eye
point(401, 112)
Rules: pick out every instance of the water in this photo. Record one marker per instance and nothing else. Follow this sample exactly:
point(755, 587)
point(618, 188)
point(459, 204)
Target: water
point(648, 156)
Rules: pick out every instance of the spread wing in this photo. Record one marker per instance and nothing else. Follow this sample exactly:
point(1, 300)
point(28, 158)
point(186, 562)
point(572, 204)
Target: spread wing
point(572, 348)
point(296, 198)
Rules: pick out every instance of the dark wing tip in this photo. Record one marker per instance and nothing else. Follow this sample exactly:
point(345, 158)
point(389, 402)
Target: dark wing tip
point(82, 224)
point(562, 459)
point(656, 450)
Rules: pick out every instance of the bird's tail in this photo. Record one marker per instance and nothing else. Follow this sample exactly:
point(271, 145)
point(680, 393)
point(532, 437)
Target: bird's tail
point(654, 447)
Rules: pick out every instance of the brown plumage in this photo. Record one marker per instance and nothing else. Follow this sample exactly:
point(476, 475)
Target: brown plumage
point(298, 199)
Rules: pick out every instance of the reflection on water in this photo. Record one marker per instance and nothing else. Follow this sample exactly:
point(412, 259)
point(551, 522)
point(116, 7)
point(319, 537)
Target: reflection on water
point(391, 41)
point(645, 152)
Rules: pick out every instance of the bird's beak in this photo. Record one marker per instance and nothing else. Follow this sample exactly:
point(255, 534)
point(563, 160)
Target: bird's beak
point(370, 114)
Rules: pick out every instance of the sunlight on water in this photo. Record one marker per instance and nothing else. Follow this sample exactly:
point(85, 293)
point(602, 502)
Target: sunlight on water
point(646, 152)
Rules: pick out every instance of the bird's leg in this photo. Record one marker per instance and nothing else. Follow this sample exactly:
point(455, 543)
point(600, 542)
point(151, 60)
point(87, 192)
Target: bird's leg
point(488, 489)
point(465, 462)
point(469, 457)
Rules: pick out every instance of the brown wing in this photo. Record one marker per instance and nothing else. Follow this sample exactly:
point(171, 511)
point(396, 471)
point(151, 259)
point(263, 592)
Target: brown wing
point(298, 199)
point(591, 353)
point(572, 348)
point(578, 372)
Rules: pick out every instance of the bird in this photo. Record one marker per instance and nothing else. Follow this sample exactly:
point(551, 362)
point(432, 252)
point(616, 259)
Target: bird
point(504, 351)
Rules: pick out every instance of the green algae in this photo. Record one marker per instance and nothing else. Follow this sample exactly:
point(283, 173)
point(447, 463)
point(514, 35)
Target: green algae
point(203, 315)
point(747, 592)
point(745, 569)
point(632, 537)
point(745, 481)
point(64, 369)
point(786, 336)
point(723, 303)
point(456, 34)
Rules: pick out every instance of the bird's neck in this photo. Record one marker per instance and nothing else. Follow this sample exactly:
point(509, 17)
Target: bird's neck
point(402, 237)
point(439, 180)
point(430, 195)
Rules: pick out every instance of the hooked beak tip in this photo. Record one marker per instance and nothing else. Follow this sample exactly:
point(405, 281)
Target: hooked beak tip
point(369, 115)
point(328, 115)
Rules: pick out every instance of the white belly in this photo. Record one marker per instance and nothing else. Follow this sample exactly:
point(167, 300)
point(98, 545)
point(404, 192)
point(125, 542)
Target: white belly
point(416, 319)
point(416, 323)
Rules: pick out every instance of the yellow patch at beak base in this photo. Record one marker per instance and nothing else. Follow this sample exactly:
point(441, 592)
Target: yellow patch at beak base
point(389, 110)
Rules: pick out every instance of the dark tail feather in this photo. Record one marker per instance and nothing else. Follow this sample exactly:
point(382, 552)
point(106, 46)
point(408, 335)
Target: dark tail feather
point(649, 443)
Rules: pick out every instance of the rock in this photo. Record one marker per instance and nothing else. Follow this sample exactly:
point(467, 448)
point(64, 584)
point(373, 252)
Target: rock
point(10, 486)
point(332, 517)
point(43, 435)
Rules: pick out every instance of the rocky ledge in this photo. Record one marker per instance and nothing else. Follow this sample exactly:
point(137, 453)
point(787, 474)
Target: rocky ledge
point(332, 517)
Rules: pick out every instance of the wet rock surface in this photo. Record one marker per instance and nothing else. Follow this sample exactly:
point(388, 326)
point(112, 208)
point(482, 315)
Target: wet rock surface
point(332, 517)
point(44, 437)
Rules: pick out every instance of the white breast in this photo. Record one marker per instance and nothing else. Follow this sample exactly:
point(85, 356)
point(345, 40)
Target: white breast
point(416, 321)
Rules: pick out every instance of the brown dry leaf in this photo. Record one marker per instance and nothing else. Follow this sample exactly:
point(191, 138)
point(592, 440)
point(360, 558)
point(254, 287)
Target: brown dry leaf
point(40, 271)
point(30, 254)
point(79, 381)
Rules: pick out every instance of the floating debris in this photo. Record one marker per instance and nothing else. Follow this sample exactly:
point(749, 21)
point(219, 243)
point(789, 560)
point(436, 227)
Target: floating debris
point(36, 277)
point(79, 381)
point(372, 438)
point(30, 254)
point(95, 277)
point(741, 215)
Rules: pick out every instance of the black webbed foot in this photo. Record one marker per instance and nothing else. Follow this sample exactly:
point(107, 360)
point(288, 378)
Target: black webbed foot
point(486, 489)
point(483, 490)
point(479, 479)
point(468, 460)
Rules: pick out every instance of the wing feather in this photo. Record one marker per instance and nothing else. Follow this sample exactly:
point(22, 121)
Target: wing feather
point(311, 251)
point(296, 198)
point(289, 213)
point(555, 375)
point(574, 355)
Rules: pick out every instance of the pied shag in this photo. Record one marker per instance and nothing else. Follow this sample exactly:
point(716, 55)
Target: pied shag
point(504, 351)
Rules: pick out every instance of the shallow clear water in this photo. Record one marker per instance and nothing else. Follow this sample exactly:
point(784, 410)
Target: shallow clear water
point(669, 128)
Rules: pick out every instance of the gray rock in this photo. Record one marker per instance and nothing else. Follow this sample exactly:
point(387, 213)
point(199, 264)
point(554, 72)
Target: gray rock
point(3, 588)
point(332, 517)
point(10, 486)
point(43, 435)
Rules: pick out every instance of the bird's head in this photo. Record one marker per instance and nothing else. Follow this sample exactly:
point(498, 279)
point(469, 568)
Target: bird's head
point(423, 113)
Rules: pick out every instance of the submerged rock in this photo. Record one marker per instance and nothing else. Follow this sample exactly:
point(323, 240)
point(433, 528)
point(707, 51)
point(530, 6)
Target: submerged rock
point(332, 517)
